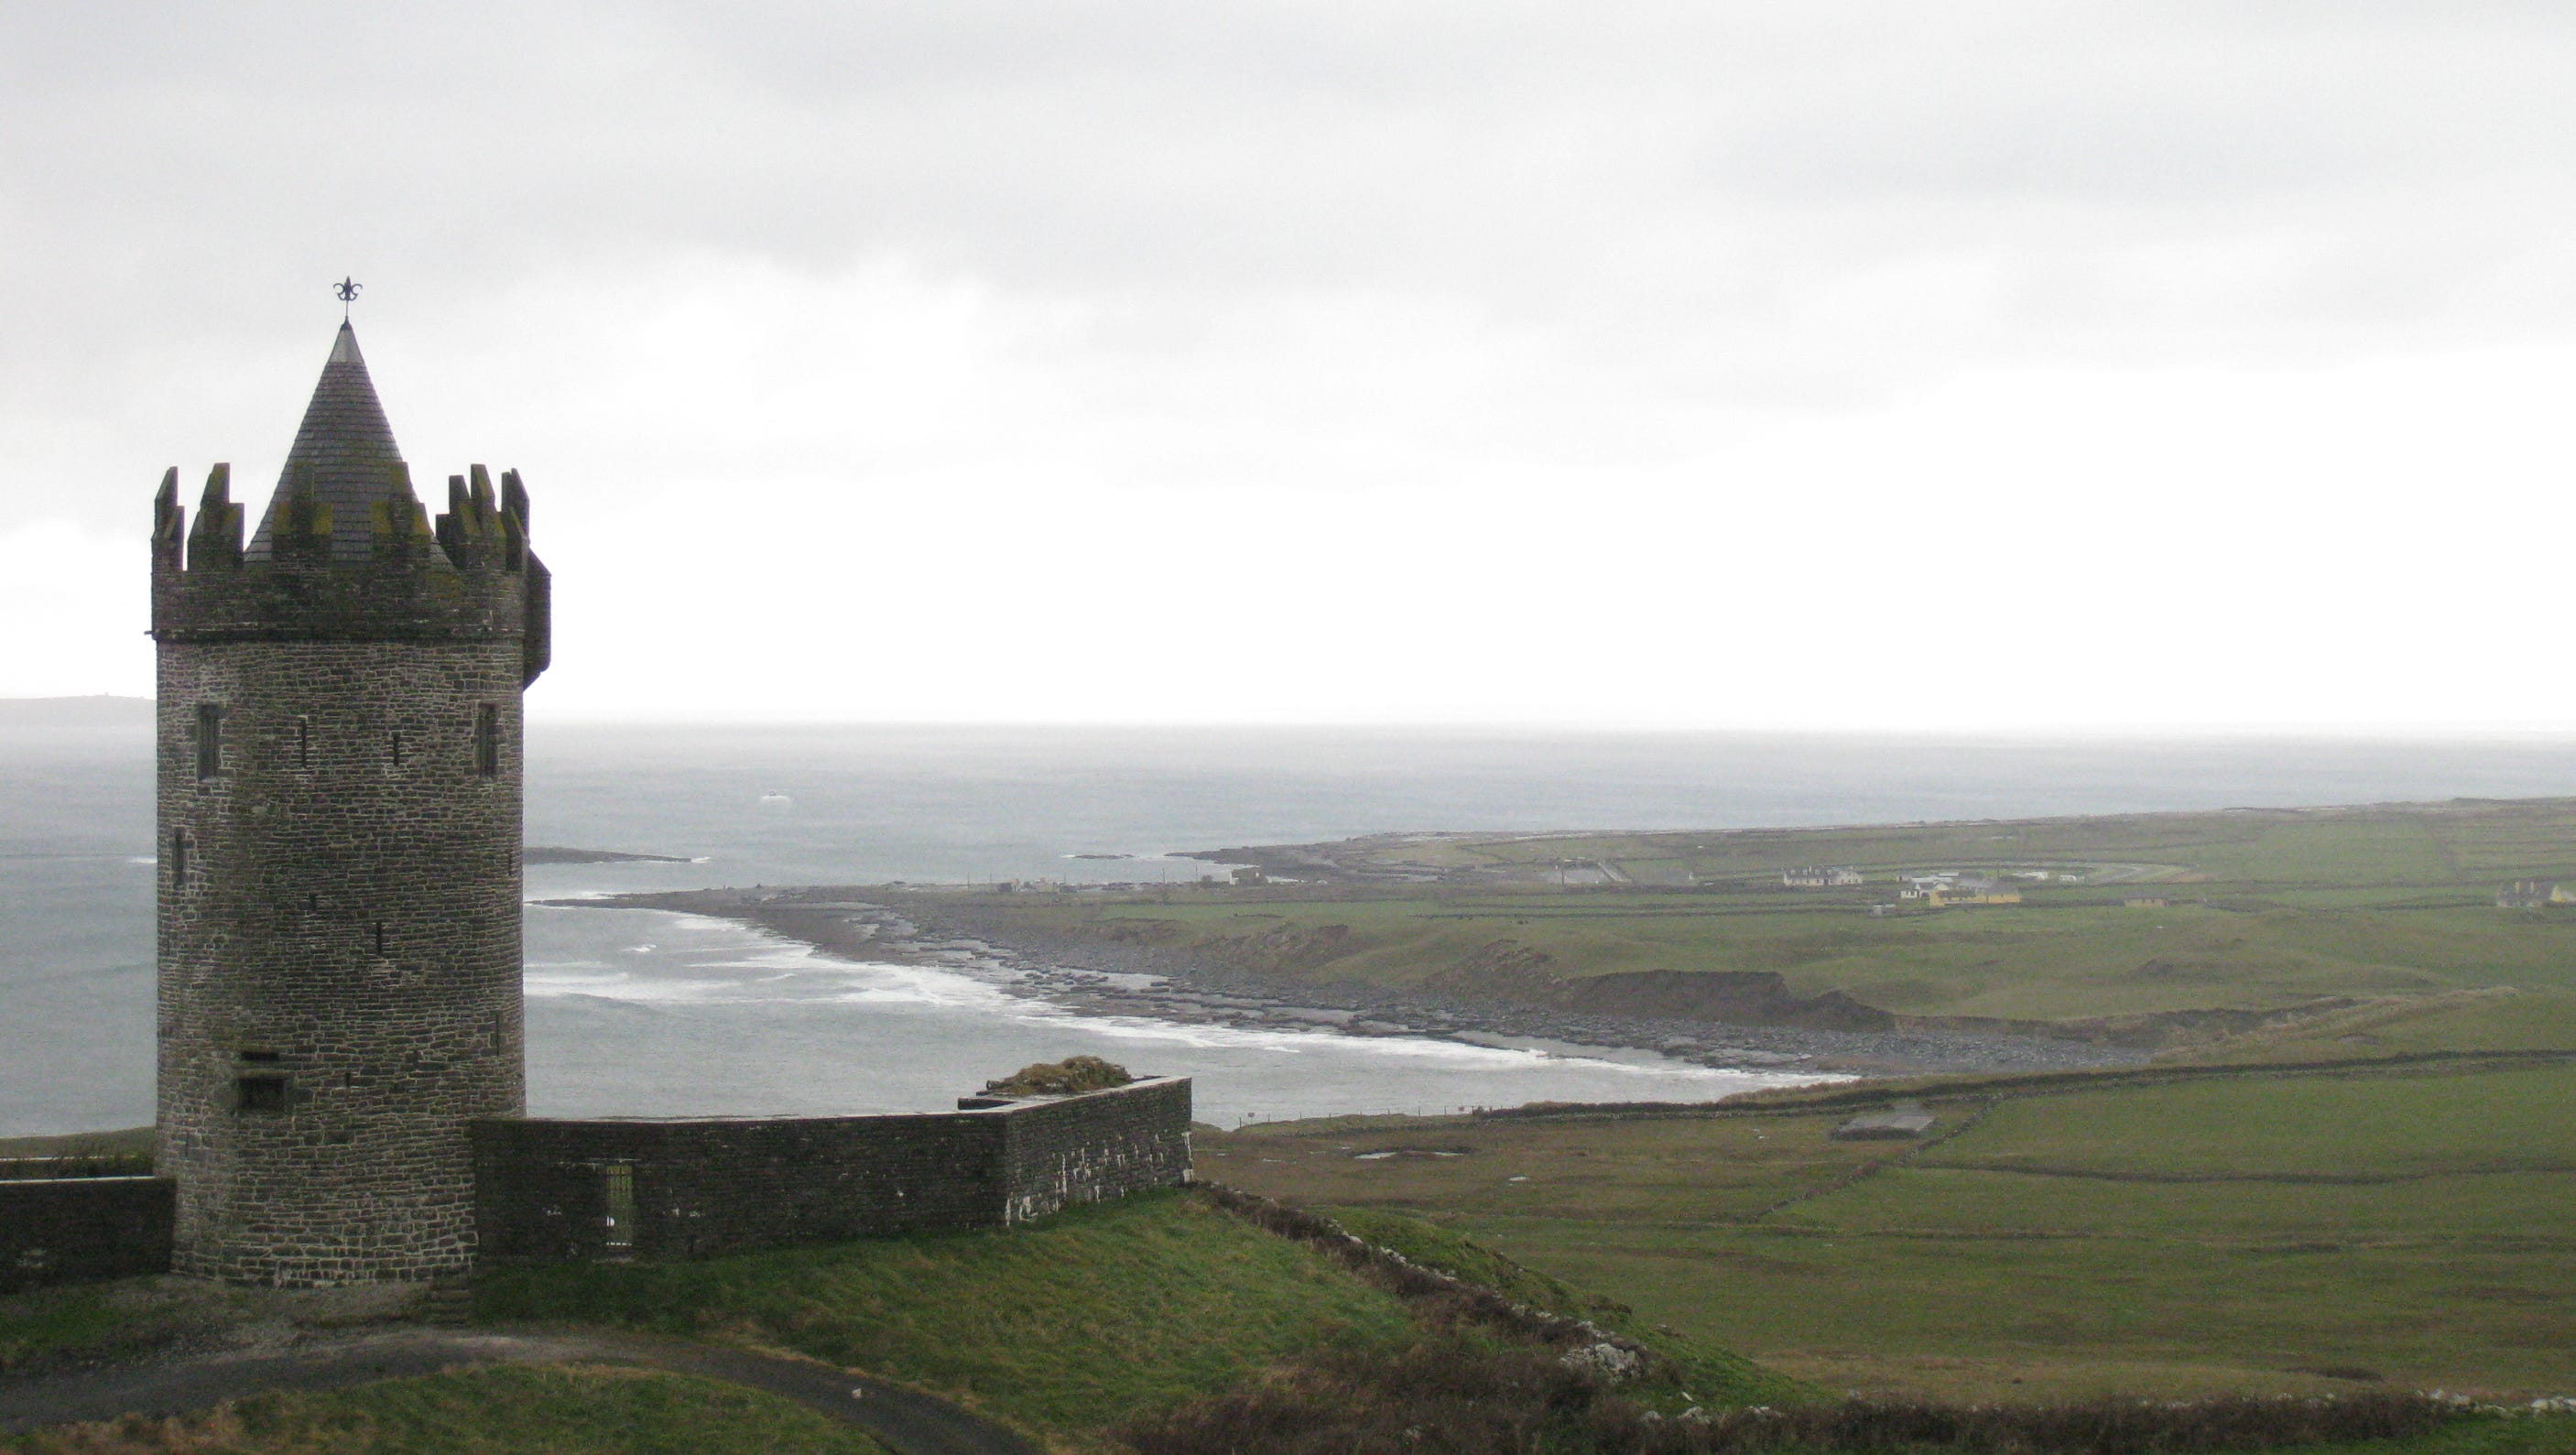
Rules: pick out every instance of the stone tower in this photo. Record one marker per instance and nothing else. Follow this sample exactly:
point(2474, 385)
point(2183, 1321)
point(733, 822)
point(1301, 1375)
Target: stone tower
point(339, 758)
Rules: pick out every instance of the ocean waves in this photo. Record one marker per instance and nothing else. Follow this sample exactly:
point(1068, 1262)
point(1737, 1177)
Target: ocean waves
point(767, 1028)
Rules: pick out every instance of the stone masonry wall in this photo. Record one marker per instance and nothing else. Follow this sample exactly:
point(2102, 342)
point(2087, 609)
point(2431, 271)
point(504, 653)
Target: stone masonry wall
point(339, 926)
point(1095, 1147)
point(702, 1187)
point(82, 1229)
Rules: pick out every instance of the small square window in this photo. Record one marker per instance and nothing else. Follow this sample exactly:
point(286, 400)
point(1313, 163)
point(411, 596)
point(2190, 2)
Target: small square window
point(260, 1093)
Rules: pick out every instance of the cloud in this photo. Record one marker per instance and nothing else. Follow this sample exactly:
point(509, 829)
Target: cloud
point(1598, 337)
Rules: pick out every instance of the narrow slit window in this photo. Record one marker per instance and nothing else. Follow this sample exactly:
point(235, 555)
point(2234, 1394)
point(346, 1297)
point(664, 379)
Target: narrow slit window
point(395, 739)
point(487, 739)
point(304, 742)
point(179, 859)
point(210, 740)
point(380, 939)
point(618, 1187)
point(259, 1094)
point(264, 1058)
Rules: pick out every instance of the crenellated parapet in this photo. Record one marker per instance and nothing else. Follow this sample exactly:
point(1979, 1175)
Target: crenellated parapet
point(480, 527)
point(468, 578)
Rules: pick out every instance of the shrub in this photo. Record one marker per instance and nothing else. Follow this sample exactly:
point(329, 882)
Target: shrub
point(1458, 1397)
point(1067, 1077)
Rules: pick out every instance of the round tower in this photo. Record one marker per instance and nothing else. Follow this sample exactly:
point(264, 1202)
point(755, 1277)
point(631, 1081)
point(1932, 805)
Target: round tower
point(339, 760)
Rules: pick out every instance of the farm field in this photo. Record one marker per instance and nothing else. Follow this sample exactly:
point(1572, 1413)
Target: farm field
point(2173, 931)
point(1176, 1323)
point(2251, 1231)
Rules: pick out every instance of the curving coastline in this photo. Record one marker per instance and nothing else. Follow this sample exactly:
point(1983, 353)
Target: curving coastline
point(914, 926)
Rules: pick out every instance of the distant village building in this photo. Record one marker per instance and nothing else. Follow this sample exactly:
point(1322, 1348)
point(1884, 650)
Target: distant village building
point(1947, 890)
point(1818, 876)
point(2143, 901)
point(1964, 896)
point(2534, 894)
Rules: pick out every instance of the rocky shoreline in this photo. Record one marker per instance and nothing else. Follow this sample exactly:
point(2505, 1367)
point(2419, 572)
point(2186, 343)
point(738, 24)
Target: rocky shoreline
point(920, 927)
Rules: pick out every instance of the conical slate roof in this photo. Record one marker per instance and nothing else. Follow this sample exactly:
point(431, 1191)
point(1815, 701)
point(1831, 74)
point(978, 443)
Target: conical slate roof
point(349, 449)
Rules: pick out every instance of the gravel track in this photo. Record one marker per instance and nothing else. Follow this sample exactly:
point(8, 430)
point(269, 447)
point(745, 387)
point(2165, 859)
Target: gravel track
point(905, 1421)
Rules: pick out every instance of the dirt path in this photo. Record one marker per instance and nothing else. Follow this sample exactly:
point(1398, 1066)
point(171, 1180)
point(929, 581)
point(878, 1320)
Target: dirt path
point(907, 1422)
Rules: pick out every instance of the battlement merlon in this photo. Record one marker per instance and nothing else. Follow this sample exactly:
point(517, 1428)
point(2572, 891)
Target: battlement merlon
point(468, 578)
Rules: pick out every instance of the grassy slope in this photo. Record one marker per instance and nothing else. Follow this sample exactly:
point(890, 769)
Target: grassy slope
point(2284, 906)
point(1975, 1267)
point(567, 1411)
point(1707, 1371)
point(1109, 1313)
point(95, 1322)
point(2506, 1437)
point(1093, 1317)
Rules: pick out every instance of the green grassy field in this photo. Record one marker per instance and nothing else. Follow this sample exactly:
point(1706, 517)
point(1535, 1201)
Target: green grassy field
point(1103, 1314)
point(1117, 1317)
point(2265, 911)
point(2254, 1231)
point(2464, 841)
point(499, 1411)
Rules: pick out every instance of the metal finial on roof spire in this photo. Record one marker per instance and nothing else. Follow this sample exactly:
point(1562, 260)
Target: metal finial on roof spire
point(346, 290)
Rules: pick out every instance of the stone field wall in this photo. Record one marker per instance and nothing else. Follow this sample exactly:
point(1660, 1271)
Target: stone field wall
point(560, 1190)
point(83, 1229)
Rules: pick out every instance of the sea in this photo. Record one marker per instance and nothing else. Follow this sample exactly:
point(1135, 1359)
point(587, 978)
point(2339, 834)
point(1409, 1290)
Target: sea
point(635, 1012)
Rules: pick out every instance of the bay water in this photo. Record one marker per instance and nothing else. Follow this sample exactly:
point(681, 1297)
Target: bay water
point(648, 1013)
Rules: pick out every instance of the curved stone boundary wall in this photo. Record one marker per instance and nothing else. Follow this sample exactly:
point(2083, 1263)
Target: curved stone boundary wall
point(83, 1229)
point(557, 1190)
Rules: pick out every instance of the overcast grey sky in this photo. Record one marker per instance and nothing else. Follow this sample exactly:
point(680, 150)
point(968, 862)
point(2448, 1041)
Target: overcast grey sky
point(1840, 365)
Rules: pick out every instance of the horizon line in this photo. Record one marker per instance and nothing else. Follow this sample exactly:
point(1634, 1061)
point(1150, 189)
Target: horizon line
point(2402, 732)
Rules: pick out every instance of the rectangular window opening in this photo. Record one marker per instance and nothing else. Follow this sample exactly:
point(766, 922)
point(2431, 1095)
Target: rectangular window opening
point(210, 740)
point(617, 1181)
point(179, 859)
point(304, 742)
point(380, 939)
point(263, 1056)
point(396, 740)
point(487, 739)
point(259, 1093)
